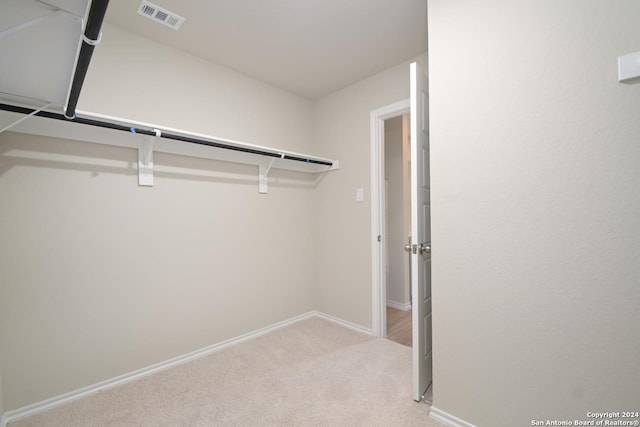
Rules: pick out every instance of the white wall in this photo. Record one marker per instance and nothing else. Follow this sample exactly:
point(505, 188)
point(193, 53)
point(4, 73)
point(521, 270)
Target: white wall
point(342, 225)
point(99, 277)
point(397, 261)
point(133, 77)
point(535, 209)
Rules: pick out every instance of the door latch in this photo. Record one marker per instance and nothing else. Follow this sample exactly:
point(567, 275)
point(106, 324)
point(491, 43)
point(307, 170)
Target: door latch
point(420, 248)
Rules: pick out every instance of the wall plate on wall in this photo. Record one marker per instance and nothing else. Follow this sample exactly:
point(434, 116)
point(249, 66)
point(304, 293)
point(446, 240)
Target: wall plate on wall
point(629, 68)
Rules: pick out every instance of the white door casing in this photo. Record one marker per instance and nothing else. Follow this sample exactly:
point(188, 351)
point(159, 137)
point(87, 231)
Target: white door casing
point(378, 244)
point(420, 232)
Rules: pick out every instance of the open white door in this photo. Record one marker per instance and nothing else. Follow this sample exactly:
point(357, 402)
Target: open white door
point(420, 233)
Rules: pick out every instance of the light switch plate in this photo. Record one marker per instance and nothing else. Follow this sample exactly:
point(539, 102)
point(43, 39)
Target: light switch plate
point(629, 68)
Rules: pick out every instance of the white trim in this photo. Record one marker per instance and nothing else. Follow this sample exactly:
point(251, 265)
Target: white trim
point(35, 408)
point(399, 305)
point(379, 285)
point(344, 323)
point(448, 419)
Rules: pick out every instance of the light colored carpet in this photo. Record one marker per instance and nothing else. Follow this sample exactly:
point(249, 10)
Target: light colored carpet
point(312, 373)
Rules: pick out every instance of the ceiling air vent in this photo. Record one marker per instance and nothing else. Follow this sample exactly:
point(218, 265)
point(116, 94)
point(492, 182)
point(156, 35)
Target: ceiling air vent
point(160, 15)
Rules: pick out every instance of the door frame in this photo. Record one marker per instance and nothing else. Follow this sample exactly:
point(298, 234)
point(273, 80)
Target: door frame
point(378, 219)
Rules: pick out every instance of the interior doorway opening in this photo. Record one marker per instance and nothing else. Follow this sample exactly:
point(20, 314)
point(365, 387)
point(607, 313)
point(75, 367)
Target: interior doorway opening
point(378, 211)
point(419, 248)
point(397, 214)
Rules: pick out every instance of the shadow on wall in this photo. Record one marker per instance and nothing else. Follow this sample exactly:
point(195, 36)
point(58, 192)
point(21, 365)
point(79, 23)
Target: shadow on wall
point(53, 153)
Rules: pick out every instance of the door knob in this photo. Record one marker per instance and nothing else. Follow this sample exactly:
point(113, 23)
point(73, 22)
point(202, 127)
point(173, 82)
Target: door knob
point(424, 248)
point(407, 248)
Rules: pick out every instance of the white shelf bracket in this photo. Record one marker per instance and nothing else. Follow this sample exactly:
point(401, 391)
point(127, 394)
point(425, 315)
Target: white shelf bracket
point(263, 175)
point(145, 160)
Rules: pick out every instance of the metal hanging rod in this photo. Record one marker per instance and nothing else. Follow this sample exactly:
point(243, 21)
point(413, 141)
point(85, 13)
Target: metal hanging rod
point(164, 134)
point(90, 38)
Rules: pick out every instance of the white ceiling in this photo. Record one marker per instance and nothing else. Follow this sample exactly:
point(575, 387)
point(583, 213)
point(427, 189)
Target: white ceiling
point(309, 47)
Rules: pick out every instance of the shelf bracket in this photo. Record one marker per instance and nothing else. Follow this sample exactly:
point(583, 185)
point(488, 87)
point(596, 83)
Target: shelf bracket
point(263, 175)
point(145, 160)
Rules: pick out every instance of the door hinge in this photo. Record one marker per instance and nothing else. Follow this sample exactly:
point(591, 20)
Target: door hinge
point(379, 238)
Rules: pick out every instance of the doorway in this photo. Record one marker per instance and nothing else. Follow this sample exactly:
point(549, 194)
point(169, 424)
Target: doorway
point(420, 247)
point(397, 195)
point(378, 211)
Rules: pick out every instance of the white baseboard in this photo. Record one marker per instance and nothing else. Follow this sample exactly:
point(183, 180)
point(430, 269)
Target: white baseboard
point(344, 323)
point(448, 419)
point(35, 408)
point(399, 305)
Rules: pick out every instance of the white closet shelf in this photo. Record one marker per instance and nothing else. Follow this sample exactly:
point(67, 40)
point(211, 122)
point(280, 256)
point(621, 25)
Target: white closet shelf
point(149, 138)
